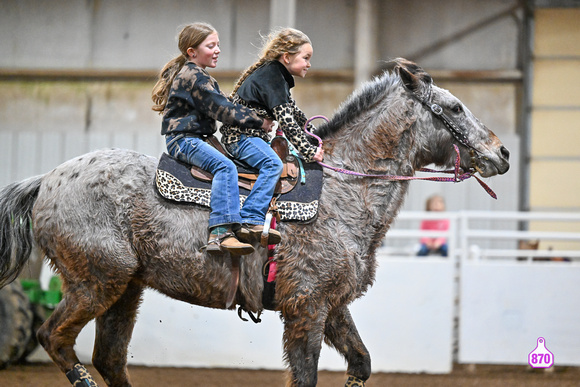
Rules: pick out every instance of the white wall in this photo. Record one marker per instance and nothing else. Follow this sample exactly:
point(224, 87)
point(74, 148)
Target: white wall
point(506, 307)
point(405, 321)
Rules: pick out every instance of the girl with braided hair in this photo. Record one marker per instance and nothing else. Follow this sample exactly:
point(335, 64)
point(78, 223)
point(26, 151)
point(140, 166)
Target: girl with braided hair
point(265, 87)
point(190, 101)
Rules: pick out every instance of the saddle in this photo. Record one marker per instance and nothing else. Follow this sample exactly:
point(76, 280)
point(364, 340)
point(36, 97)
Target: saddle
point(247, 175)
point(297, 191)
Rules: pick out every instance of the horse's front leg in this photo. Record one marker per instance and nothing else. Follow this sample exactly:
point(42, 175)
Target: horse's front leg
point(340, 333)
point(303, 333)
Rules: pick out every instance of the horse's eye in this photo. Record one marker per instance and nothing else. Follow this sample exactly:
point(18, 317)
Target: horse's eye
point(457, 109)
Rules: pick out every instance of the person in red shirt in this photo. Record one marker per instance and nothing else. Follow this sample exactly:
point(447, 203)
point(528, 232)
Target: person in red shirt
point(437, 245)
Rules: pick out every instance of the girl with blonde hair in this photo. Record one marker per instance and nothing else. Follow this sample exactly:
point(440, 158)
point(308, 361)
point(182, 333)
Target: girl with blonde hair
point(265, 87)
point(190, 101)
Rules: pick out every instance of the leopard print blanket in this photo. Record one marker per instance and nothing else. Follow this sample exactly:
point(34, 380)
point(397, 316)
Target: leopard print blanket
point(175, 182)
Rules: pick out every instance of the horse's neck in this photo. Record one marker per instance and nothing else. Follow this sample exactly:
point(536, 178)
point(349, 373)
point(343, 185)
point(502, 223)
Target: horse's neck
point(366, 205)
point(380, 141)
point(376, 200)
point(356, 213)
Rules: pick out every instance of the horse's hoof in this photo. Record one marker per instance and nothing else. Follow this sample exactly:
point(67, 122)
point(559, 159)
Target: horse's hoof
point(353, 381)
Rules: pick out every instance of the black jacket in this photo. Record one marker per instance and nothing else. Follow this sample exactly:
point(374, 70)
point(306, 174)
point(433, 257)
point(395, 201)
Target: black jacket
point(267, 87)
point(267, 90)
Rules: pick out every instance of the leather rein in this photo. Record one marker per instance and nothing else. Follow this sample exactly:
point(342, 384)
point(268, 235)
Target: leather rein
point(455, 131)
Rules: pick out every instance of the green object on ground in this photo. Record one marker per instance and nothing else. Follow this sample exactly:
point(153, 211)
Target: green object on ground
point(47, 298)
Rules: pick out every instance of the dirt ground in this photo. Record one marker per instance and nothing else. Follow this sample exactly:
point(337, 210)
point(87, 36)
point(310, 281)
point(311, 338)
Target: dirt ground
point(47, 375)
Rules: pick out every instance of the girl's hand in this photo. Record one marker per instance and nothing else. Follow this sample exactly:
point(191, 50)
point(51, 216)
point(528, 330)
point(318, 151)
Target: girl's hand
point(267, 125)
point(319, 156)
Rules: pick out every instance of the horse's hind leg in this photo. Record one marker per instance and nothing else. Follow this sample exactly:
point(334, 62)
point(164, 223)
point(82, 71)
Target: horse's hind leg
point(58, 334)
point(81, 303)
point(340, 333)
point(114, 329)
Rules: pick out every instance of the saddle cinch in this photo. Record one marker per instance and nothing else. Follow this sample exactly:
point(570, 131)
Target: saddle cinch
point(297, 192)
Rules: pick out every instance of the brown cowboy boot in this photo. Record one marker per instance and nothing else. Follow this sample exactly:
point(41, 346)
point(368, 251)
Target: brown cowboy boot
point(251, 233)
point(222, 239)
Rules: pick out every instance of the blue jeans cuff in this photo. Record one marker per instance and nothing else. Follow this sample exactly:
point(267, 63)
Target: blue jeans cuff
point(224, 220)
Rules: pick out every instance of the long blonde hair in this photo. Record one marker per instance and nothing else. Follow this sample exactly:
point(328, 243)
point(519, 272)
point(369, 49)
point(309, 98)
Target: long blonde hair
point(278, 42)
point(192, 35)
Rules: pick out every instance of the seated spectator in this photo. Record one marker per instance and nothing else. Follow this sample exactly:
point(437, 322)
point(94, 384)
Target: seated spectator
point(437, 245)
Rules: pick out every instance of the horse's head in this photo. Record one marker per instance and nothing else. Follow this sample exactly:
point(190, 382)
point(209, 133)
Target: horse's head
point(452, 122)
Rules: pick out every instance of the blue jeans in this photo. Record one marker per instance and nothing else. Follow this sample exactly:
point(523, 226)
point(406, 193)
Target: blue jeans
point(225, 194)
point(257, 153)
point(424, 250)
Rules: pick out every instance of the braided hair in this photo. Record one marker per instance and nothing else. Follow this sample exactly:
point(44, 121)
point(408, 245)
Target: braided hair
point(277, 43)
point(192, 35)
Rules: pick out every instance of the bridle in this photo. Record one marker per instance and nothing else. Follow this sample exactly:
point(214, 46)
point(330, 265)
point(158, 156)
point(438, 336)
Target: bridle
point(459, 134)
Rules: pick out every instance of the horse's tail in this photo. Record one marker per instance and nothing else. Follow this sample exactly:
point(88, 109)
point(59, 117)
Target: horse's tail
point(16, 236)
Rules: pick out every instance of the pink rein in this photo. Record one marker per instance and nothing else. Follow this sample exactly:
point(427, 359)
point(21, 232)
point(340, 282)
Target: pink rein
point(458, 176)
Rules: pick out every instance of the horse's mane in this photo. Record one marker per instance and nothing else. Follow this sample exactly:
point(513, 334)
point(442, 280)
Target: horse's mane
point(370, 94)
point(361, 100)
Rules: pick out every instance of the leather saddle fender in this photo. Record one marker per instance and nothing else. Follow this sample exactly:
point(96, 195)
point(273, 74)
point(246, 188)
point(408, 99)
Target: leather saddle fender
point(247, 175)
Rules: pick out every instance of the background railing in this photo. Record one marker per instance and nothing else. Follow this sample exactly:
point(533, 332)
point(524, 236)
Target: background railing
point(516, 278)
point(495, 235)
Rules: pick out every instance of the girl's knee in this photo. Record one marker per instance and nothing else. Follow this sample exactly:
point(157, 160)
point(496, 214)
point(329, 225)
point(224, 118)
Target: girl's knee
point(228, 166)
point(273, 167)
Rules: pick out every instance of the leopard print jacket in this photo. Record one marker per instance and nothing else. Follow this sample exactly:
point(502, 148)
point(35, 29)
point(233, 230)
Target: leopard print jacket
point(291, 120)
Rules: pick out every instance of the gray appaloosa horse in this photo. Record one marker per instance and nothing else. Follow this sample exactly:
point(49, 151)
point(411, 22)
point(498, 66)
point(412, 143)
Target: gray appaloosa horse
point(104, 228)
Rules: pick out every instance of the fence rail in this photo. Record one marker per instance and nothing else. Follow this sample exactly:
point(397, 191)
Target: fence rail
point(469, 239)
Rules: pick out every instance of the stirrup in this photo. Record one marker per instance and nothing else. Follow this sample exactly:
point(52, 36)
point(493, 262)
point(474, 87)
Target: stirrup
point(264, 237)
point(216, 242)
point(213, 246)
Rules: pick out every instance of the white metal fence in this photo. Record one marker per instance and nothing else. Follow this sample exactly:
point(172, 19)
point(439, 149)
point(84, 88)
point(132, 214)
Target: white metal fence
point(26, 154)
point(483, 235)
point(505, 297)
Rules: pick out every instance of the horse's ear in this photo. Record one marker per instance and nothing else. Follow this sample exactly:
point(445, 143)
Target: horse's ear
point(414, 77)
point(410, 80)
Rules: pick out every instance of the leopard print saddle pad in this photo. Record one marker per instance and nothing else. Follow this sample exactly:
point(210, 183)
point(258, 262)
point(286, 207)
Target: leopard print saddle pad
point(175, 182)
